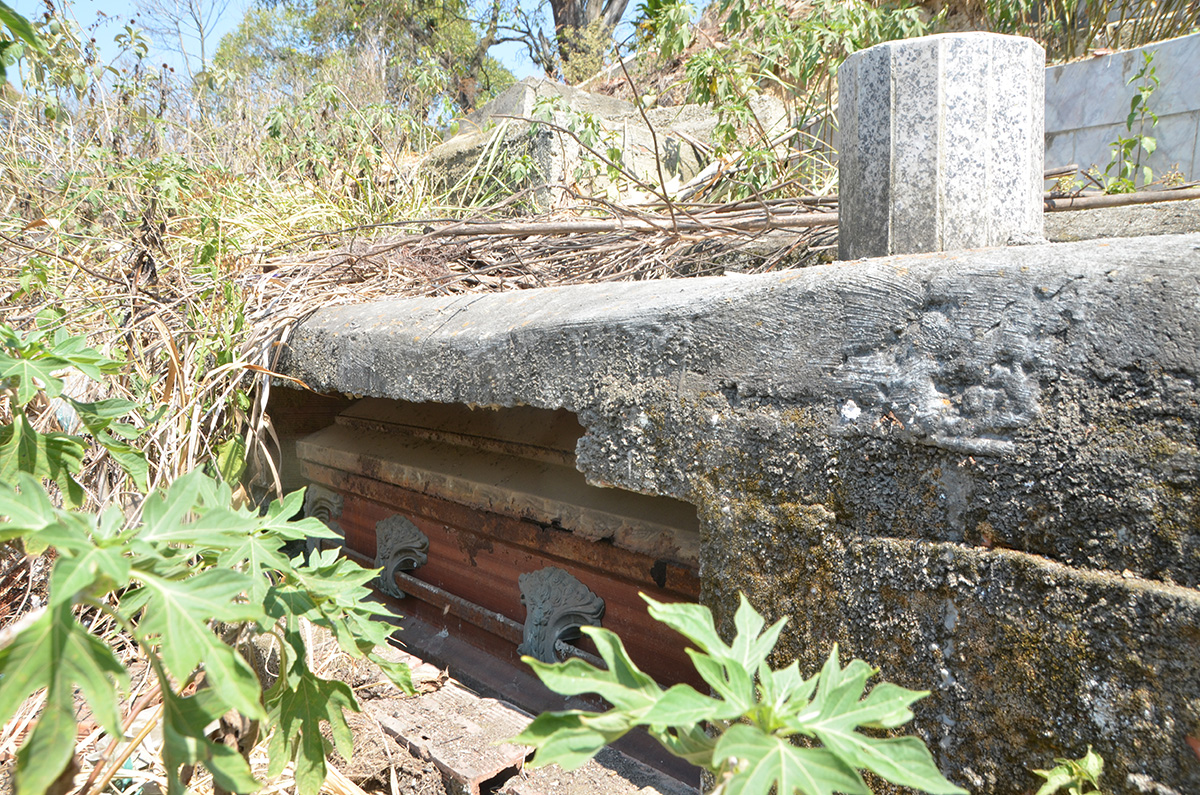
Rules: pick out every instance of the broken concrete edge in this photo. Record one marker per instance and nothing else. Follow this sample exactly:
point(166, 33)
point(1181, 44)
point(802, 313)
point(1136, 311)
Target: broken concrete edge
point(1011, 432)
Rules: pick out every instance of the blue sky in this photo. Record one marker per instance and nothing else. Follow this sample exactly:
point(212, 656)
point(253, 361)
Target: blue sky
point(107, 17)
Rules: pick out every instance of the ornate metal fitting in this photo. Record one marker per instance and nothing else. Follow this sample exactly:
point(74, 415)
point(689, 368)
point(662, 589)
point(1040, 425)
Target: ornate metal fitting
point(399, 546)
point(556, 606)
point(326, 505)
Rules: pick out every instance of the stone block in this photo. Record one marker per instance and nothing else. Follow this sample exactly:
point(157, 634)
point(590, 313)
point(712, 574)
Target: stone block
point(942, 144)
point(494, 134)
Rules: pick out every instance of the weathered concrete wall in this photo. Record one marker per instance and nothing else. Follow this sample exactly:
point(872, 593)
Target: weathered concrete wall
point(980, 471)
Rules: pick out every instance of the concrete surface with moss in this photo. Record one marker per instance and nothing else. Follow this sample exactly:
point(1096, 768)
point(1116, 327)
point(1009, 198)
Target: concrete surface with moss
point(979, 471)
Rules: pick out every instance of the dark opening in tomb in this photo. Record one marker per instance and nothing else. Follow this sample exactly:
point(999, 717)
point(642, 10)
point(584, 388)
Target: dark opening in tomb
point(492, 543)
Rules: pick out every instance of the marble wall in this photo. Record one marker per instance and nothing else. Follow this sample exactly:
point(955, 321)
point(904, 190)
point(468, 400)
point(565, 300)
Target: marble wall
point(1087, 103)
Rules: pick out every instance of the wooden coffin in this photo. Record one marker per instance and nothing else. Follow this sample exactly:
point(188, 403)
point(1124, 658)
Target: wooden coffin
point(491, 538)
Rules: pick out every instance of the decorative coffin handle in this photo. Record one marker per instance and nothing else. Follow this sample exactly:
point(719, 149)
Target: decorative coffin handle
point(326, 505)
point(556, 606)
point(399, 546)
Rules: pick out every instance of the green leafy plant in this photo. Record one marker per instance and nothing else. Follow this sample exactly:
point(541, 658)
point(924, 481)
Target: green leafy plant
point(769, 48)
point(1077, 776)
point(666, 25)
point(198, 585)
point(1127, 150)
point(1069, 29)
point(31, 367)
point(21, 33)
point(600, 147)
point(755, 719)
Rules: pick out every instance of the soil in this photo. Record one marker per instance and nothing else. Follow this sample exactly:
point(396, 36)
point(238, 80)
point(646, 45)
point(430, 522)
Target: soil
point(380, 764)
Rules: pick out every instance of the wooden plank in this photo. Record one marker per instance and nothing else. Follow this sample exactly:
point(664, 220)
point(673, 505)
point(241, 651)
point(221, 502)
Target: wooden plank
point(484, 570)
point(524, 431)
point(459, 732)
point(516, 486)
point(643, 570)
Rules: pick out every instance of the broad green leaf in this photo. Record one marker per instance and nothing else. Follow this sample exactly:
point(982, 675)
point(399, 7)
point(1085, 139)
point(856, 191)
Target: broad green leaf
point(837, 712)
point(694, 622)
point(257, 554)
point(57, 653)
point(27, 510)
point(20, 27)
point(730, 681)
point(838, 689)
point(683, 705)
point(107, 568)
point(565, 739)
point(53, 456)
point(193, 510)
point(129, 458)
point(755, 758)
point(1092, 766)
point(178, 612)
point(184, 723)
point(764, 761)
point(280, 519)
point(282, 601)
point(49, 747)
point(1074, 774)
point(751, 646)
point(785, 690)
point(297, 714)
point(25, 665)
point(623, 685)
point(231, 459)
point(886, 706)
point(398, 673)
point(31, 376)
point(328, 575)
point(100, 413)
point(571, 738)
point(75, 352)
point(692, 744)
point(125, 430)
point(164, 511)
point(901, 760)
point(1056, 779)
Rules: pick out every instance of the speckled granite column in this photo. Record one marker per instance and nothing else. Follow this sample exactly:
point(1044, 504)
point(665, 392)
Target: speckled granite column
point(942, 144)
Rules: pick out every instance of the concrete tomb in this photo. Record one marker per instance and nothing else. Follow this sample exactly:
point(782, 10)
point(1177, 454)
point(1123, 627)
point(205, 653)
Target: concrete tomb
point(977, 470)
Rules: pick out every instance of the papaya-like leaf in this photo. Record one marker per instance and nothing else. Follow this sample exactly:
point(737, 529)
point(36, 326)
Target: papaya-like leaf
point(569, 739)
point(184, 721)
point(31, 376)
point(176, 619)
point(57, 653)
point(297, 714)
point(838, 711)
point(53, 456)
point(761, 761)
